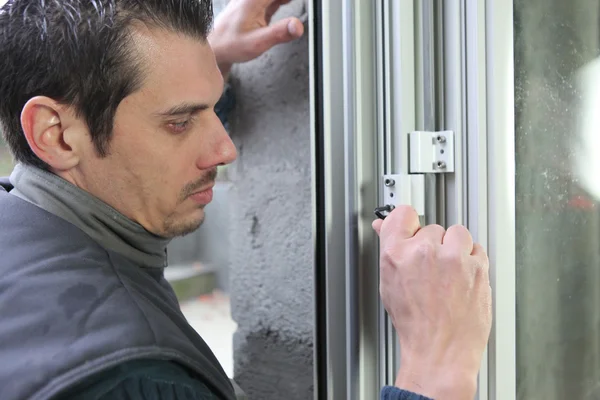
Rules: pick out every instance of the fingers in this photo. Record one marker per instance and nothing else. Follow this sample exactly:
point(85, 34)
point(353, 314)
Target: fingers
point(402, 223)
point(479, 252)
point(377, 225)
point(273, 7)
point(459, 238)
point(432, 233)
point(259, 3)
point(283, 31)
point(295, 28)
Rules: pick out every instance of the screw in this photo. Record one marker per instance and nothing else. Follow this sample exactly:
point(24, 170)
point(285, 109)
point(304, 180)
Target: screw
point(441, 139)
point(441, 165)
point(390, 182)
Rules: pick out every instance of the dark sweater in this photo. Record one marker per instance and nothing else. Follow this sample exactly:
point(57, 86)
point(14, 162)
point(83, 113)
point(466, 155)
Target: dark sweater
point(163, 380)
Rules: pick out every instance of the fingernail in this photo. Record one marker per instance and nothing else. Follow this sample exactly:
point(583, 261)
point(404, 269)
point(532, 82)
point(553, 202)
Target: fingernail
point(293, 28)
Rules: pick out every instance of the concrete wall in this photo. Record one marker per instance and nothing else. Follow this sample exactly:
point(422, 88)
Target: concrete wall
point(271, 274)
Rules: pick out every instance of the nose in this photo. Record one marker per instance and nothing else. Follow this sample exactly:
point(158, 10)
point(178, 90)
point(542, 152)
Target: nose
point(226, 149)
point(221, 151)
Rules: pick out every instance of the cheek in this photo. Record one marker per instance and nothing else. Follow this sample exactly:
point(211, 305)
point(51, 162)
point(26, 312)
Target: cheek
point(159, 163)
point(136, 146)
point(141, 172)
point(160, 181)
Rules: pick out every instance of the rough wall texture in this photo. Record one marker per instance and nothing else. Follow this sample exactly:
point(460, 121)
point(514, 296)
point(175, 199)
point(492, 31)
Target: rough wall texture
point(271, 275)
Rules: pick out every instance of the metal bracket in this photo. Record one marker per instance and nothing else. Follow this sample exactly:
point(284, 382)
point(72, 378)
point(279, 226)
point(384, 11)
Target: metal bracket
point(431, 152)
point(402, 189)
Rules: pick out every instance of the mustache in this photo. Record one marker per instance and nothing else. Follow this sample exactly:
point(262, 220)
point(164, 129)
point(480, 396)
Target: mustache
point(193, 187)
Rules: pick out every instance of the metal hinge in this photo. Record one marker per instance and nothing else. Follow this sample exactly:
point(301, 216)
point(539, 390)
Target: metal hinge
point(429, 153)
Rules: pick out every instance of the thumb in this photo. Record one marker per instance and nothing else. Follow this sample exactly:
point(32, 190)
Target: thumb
point(377, 225)
point(279, 32)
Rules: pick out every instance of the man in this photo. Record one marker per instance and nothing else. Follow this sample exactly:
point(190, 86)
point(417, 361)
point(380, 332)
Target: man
point(108, 107)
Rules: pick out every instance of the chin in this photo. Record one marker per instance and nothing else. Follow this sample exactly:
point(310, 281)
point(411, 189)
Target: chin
point(176, 228)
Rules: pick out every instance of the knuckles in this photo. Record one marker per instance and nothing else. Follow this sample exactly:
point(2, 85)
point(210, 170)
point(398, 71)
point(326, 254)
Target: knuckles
point(424, 250)
point(410, 253)
point(452, 258)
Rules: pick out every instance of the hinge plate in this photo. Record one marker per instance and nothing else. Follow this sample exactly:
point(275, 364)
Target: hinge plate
point(431, 152)
point(404, 189)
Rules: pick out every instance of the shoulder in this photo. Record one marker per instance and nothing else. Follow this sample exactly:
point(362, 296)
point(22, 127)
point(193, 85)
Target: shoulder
point(31, 236)
point(28, 223)
point(143, 380)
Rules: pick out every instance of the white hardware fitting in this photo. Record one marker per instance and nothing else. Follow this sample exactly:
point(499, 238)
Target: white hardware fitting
point(405, 189)
point(431, 152)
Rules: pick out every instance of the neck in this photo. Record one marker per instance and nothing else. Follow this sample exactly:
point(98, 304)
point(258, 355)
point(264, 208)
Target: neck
point(108, 227)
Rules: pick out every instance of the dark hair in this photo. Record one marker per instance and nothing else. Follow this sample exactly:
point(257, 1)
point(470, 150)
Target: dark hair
point(78, 52)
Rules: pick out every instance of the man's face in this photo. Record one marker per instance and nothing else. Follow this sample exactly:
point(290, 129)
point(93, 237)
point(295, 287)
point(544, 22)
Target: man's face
point(167, 140)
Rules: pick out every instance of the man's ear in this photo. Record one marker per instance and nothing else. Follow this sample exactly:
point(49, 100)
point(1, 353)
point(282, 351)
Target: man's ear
point(53, 133)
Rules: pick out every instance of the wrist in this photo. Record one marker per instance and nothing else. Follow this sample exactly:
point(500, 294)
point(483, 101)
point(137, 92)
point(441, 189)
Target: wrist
point(439, 383)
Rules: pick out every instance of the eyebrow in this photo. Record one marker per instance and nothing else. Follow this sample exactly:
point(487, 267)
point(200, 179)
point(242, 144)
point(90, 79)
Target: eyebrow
point(181, 109)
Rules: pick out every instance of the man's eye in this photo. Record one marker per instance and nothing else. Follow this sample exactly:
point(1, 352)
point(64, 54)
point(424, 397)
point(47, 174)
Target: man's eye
point(179, 126)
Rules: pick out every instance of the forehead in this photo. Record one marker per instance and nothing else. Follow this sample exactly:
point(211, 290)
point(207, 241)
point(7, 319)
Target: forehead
point(177, 68)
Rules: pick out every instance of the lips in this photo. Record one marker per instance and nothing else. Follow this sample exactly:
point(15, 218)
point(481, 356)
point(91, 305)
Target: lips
point(203, 197)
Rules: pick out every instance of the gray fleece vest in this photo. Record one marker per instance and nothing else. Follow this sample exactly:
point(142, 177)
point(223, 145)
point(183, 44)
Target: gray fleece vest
point(82, 290)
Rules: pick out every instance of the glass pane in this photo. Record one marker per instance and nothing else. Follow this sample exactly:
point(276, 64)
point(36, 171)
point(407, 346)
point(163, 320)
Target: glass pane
point(558, 225)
